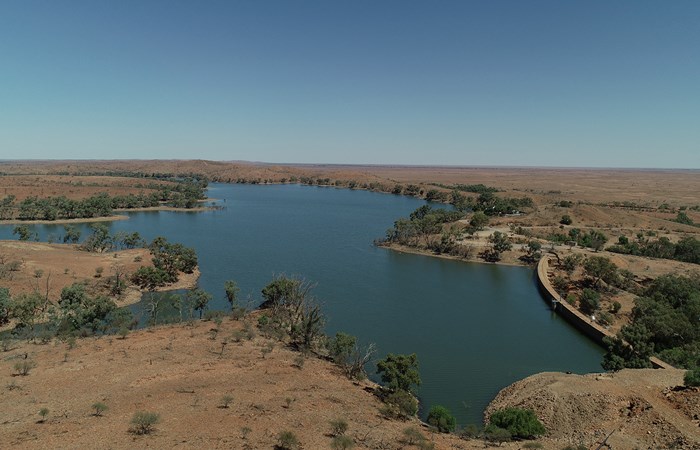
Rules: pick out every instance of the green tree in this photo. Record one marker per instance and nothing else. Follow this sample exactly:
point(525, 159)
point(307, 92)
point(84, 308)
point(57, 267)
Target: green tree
point(441, 418)
point(5, 306)
point(631, 348)
point(570, 262)
point(479, 220)
point(566, 220)
point(199, 299)
point(500, 242)
point(71, 234)
point(25, 308)
point(399, 372)
point(345, 352)
point(683, 218)
point(150, 278)
point(600, 268)
point(692, 377)
point(589, 300)
point(520, 423)
point(100, 240)
point(294, 311)
point(23, 232)
point(532, 251)
point(231, 290)
point(172, 258)
point(341, 348)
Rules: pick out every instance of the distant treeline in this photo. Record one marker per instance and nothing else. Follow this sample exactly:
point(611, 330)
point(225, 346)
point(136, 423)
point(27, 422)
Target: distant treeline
point(593, 239)
point(475, 188)
point(184, 194)
point(486, 202)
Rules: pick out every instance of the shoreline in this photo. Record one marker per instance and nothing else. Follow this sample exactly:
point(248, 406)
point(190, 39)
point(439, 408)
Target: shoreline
point(133, 294)
point(423, 252)
point(111, 218)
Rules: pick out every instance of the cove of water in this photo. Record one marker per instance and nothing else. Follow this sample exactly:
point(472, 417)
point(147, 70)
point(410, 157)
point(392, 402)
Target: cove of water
point(475, 327)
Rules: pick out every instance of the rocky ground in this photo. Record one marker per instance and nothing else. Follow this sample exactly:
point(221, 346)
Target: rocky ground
point(182, 373)
point(642, 408)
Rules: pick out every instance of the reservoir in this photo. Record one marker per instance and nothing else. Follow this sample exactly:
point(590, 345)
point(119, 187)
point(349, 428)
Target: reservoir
point(475, 327)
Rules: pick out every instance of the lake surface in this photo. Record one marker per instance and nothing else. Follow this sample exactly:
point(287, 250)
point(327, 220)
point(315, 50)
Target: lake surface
point(476, 328)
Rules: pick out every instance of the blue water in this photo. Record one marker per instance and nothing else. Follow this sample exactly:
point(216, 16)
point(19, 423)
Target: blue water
point(476, 328)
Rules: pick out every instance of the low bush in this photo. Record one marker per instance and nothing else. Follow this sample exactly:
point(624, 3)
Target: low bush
point(441, 418)
point(342, 442)
point(24, 367)
point(287, 441)
point(692, 377)
point(99, 408)
point(338, 427)
point(144, 422)
point(401, 404)
point(520, 423)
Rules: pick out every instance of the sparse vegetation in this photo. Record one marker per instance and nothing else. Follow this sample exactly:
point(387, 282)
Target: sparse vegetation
point(98, 409)
point(287, 440)
point(225, 401)
point(339, 427)
point(144, 422)
point(342, 442)
point(22, 368)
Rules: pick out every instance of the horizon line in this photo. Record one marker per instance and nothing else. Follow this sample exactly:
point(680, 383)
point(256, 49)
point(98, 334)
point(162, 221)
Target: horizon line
point(320, 164)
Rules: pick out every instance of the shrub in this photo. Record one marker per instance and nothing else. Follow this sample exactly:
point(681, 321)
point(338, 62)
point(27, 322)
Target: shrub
point(470, 431)
point(342, 442)
point(143, 422)
point(338, 427)
point(615, 307)
point(403, 404)
point(43, 412)
point(24, 367)
point(287, 441)
point(412, 435)
point(520, 423)
point(226, 401)
point(566, 220)
point(605, 318)
point(497, 434)
point(441, 418)
point(99, 408)
point(692, 377)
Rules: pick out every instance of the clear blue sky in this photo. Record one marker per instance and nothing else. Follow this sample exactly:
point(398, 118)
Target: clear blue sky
point(555, 83)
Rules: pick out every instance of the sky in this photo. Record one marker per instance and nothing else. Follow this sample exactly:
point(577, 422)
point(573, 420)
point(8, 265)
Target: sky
point(513, 83)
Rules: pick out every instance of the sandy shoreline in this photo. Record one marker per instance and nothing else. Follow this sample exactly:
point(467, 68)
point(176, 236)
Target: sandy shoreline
point(418, 251)
point(105, 218)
